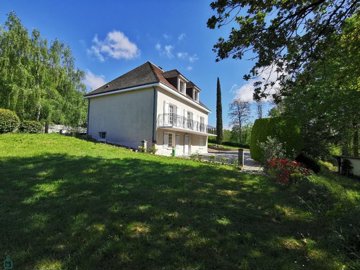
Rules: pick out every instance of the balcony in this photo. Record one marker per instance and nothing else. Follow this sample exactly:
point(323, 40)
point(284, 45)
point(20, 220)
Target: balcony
point(181, 123)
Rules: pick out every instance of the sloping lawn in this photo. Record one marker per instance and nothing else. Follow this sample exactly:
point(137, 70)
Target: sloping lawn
point(71, 204)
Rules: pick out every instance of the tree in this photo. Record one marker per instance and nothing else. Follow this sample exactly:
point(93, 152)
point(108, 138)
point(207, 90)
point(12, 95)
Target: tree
point(239, 112)
point(219, 122)
point(259, 107)
point(325, 98)
point(37, 80)
point(286, 35)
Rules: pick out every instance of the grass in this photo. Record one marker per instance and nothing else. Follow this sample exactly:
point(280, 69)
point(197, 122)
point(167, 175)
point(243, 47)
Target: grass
point(71, 204)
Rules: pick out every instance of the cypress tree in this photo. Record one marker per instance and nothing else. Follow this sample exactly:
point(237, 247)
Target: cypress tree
point(219, 123)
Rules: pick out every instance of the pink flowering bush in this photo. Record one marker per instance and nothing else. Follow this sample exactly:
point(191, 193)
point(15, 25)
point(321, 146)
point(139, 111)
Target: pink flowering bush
point(285, 171)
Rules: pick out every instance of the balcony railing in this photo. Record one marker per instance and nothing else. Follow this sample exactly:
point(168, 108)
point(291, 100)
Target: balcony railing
point(178, 121)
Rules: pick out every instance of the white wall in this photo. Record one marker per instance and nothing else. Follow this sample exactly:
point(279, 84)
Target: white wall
point(183, 106)
point(127, 117)
point(195, 146)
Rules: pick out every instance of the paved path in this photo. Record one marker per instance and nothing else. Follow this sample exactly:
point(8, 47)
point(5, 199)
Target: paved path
point(250, 165)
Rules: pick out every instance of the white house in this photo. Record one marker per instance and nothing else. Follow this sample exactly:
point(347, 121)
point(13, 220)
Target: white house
point(148, 104)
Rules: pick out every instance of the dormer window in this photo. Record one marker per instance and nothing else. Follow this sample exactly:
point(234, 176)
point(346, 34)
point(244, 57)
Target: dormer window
point(182, 87)
point(196, 95)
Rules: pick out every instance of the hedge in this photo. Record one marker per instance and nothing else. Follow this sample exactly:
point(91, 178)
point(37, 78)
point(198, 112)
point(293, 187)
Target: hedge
point(9, 121)
point(31, 127)
point(235, 144)
point(286, 130)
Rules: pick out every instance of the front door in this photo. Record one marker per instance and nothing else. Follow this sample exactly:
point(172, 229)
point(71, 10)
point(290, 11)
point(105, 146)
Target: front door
point(187, 144)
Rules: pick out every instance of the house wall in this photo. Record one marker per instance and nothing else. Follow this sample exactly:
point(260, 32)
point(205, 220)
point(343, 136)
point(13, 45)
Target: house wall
point(163, 99)
point(127, 118)
point(195, 143)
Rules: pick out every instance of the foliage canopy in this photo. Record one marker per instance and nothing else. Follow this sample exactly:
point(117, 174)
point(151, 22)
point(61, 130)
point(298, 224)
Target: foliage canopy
point(38, 79)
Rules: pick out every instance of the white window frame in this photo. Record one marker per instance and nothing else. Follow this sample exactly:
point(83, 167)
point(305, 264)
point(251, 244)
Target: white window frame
point(196, 95)
point(172, 144)
point(182, 87)
point(171, 113)
point(202, 123)
point(190, 120)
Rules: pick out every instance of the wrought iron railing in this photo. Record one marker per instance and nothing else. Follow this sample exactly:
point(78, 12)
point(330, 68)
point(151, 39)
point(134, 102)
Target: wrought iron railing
point(175, 120)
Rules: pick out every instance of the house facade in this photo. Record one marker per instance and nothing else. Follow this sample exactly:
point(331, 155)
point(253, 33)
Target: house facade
point(162, 108)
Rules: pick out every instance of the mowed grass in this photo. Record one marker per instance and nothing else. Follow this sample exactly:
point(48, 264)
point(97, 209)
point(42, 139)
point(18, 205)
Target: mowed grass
point(72, 204)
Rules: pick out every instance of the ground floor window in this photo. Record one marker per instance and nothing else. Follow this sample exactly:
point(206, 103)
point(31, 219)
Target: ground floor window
point(169, 139)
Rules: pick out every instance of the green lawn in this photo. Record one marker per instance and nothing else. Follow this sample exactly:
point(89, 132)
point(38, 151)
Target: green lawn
point(71, 204)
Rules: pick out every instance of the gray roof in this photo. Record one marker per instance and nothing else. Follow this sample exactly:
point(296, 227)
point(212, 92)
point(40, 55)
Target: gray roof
point(145, 74)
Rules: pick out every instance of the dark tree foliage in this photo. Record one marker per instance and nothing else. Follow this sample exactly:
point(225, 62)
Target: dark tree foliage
point(285, 35)
point(219, 122)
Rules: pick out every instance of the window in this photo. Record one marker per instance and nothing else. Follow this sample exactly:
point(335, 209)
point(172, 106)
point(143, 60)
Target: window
point(168, 140)
point(196, 95)
point(171, 114)
point(170, 143)
point(189, 120)
point(182, 87)
point(102, 134)
point(202, 124)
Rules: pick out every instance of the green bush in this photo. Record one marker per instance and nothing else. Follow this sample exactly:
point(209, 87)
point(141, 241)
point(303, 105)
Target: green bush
point(31, 127)
point(9, 121)
point(286, 130)
point(228, 143)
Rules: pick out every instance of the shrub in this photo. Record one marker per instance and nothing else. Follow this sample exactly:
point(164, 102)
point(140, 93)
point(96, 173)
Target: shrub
point(286, 130)
point(235, 144)
point(31, 127)
point(285, 171)
point(9, 121)
point(346, 167)
point(270, 149)
point(152, 149)
point(308, 162)
point(240, 145)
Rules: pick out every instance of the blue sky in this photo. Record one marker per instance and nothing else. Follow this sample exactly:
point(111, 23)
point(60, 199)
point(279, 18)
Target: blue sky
point(171, 34)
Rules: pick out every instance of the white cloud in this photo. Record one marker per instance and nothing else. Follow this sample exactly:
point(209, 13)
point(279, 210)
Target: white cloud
point(182, 55)
point(193, 58)
point(246, 91)
point(116, 45)
point(93, 81)
point(168, 51)
point(181, 36)
point(158, 46)
point(166, 36)
point(186, 56)
point(189, 68)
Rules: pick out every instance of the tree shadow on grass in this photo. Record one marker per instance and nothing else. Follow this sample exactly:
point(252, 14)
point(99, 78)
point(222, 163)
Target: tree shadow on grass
point(67, 212)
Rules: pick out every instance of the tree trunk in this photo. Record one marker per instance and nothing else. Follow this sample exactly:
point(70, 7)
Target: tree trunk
point(240, 132)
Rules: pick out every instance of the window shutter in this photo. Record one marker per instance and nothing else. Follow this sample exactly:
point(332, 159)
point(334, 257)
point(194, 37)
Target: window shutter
point(166, 113)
